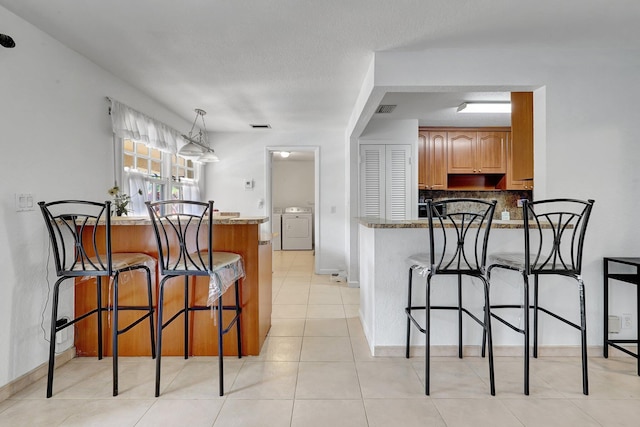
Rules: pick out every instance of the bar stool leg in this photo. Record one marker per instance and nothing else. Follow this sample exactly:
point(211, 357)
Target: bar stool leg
point(100, 309)
point(186, 317)
point(605, 341)
point(52, 336)
point(238, 312)
point(583, 330)
point(220, 342)
point(409, 313)
point(427, 336)
point(535, 316)
point(525, 308)
point(460, 316)
point(159, 334)
point(487, 327)
point(114, 334)
point(150, 299)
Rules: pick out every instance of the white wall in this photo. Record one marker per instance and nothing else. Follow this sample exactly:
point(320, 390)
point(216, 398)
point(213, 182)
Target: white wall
point(586, 147)
point(57, 144)
point(293, 183)
point(244, 154)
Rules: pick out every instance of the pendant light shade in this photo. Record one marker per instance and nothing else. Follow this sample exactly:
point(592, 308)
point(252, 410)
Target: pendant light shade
point(209, 157)
point(191, 149)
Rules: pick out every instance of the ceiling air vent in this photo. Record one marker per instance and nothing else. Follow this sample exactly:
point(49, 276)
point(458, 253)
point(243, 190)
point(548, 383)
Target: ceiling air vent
point(261, 126)
point(385, 109)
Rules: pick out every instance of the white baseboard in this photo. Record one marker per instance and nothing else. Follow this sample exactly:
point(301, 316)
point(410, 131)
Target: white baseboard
point(498, 351)
point(34, 375)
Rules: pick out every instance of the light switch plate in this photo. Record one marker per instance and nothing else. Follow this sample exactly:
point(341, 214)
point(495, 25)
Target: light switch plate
point(24, 202)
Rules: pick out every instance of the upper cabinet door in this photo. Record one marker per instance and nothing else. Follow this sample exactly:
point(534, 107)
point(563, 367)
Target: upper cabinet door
point(522, 135)
point(423, 161)
point(437, 155)
point(461, 152)
point(432, 160)
point(492, 152)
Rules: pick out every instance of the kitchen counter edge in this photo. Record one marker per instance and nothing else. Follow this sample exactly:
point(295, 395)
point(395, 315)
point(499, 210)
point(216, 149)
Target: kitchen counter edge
point(422, 223)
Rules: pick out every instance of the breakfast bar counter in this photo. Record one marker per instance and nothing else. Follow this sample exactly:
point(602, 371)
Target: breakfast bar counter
point(384, 246)
point(240, 235)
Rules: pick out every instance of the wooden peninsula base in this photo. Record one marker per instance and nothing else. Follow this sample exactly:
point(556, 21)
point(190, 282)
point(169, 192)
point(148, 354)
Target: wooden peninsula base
point(239, 235)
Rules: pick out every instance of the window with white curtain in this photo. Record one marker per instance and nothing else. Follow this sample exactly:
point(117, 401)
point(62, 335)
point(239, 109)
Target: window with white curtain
point(151, 168)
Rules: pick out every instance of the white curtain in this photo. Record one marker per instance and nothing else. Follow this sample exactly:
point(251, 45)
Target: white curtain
point(128, 123)
point(138, 192)
point(191, 192)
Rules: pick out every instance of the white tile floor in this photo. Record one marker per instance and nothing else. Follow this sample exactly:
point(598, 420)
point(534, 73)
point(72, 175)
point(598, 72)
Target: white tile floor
point(315, 370)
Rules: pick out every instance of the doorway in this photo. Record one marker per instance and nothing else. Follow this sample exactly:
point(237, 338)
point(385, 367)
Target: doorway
point(293, 181)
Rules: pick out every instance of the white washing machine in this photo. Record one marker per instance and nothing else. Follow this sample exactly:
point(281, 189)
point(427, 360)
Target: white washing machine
point(276, 229)
point(297, 229)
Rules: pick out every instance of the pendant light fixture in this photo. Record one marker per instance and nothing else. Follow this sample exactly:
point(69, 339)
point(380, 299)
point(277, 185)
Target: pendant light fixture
point(198, 143)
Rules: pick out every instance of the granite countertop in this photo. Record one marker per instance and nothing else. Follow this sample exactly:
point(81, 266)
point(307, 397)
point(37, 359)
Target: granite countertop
point(423, 223)
point(263, 238)
point(217, 219)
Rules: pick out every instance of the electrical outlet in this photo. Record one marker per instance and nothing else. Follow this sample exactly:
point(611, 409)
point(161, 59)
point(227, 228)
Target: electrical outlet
point(520, 202)
point(614, 324)
point(627, 321)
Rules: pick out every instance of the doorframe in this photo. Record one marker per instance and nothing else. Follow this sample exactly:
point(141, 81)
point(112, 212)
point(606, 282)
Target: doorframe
point(317, 245)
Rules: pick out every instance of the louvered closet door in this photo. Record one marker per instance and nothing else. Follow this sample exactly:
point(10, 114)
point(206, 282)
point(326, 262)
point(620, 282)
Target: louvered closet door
point(372, 181)
point(398, 181)
point(385, 181)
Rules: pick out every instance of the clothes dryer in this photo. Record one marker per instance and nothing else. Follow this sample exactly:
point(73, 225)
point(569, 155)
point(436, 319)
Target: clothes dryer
point(297, 229)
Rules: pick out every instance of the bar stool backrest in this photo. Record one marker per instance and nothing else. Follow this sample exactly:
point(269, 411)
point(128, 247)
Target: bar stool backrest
point(79, 247)
point(183, 230)
point(458, 234)
point(554, 235)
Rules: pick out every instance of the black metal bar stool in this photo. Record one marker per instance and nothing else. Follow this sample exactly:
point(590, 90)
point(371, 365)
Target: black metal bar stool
point(629, 278)
point(458, 237)
point(184, 234)
point(81, 250)
point(554, 232)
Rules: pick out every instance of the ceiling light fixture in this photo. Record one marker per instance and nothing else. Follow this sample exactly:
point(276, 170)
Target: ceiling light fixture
point(284, 154)
point(198, 142)
point(485, 107)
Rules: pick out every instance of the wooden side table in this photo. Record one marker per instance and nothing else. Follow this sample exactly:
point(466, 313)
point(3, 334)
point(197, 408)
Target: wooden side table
point(632, 278)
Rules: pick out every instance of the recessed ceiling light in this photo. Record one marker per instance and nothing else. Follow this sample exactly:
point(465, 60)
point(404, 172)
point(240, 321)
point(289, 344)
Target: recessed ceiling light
point(485, 107)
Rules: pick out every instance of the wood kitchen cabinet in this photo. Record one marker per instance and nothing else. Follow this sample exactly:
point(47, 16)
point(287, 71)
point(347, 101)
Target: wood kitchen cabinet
point(471, 152)
point(521, 157)
point(511, 182)
point(432, 160)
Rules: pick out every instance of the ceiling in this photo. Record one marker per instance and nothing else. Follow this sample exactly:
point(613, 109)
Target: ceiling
point(299, 64)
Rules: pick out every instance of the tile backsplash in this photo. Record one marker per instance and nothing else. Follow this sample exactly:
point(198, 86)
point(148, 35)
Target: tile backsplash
point(507, 199)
